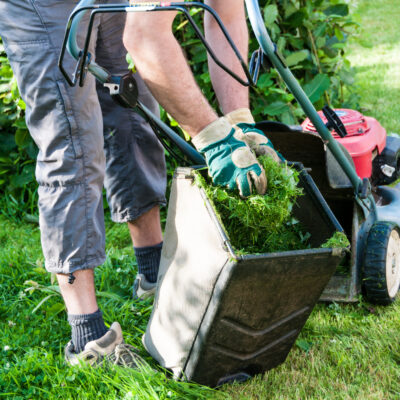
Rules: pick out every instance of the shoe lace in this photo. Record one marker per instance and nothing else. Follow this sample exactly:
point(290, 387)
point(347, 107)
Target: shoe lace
point(125, 355)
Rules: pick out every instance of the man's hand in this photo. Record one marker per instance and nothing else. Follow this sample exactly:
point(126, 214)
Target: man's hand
point(230, 161)
point(244, 123)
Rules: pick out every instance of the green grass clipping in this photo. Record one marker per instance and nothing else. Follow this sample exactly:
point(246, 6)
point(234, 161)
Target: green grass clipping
point(263, 223)
point(338, 240)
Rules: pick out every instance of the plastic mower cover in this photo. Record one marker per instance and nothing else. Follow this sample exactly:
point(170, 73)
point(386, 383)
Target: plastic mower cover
point(365, 136)
point(220, 317)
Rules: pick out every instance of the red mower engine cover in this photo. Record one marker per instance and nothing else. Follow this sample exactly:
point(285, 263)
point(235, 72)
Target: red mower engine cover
point(366, 138)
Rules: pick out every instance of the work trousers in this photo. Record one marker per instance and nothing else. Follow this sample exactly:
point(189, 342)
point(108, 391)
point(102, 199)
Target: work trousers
point(85, 140)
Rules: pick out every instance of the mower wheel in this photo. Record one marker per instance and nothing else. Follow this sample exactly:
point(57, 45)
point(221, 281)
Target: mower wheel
point(381, 270)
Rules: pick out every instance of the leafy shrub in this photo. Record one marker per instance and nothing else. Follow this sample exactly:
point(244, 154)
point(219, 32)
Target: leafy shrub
point(311, 35)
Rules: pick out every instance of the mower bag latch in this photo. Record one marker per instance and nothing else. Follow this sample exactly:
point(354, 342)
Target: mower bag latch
point(260, 59)
point(124, 90)
point(256, 62)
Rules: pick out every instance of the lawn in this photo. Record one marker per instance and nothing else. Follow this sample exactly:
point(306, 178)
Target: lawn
point(375, 53)
point(343, 352)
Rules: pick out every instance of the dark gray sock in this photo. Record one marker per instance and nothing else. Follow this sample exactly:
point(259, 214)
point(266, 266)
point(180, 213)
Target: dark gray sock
point(85, 328)
point(148, 260)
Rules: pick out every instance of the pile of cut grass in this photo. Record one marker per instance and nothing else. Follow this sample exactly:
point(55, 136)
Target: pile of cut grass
point(261, 223)
point(264, 223)
point(338, 240)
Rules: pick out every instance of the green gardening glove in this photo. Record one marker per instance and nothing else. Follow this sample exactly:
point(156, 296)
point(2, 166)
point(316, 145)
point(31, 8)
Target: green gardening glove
point(230, 161)
point(255, 139)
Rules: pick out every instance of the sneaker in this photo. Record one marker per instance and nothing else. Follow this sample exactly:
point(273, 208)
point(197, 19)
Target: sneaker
point(110, 348)
point(142, 288)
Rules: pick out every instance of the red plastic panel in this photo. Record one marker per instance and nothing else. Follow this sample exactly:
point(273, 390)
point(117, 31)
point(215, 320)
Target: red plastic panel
point(365, 135)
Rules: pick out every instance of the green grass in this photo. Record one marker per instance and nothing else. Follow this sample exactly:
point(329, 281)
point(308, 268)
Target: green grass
point(338, 240)
point(344, 351)
point(375, 53)
point(264, 223)
point(34, 330)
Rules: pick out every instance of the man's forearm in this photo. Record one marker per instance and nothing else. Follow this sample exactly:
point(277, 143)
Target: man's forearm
point(230, 93)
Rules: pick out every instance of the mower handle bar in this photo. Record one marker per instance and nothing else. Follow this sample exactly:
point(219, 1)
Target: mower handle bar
point(103, 75)
point(86, 64)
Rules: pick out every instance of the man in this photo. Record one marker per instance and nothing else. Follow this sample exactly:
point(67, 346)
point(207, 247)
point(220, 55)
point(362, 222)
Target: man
point(158, 57)
point(67, 125)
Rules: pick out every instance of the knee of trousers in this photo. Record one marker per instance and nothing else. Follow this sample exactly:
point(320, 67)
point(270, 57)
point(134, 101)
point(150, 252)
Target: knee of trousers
point(136, 170)
point(66, 124)
point(70, 172)
point(72, 227)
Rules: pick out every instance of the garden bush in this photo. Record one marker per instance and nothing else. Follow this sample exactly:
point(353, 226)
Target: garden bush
point(311, 35)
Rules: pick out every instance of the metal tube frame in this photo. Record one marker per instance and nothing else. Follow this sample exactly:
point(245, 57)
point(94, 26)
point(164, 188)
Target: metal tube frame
point(100, 73)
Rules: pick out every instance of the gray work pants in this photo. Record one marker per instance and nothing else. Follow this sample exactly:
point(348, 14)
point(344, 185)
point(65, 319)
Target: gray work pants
point(67, 124)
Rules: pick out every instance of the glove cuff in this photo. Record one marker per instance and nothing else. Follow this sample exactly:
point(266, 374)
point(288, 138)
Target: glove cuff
point(242, 115)
point(213, 133)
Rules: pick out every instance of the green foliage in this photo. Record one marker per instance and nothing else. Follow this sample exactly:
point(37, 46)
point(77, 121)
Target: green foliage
point(34, 329)
point(331, 358)
point(311, 35)
point(260, 224)
point(264, 224)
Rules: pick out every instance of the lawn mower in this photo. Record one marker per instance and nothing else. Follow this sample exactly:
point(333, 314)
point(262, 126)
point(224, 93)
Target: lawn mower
point(219, 316)
point(376, 158)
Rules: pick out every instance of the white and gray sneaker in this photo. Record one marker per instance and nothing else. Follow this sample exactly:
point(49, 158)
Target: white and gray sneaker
point(110, 348)
point(142, 288)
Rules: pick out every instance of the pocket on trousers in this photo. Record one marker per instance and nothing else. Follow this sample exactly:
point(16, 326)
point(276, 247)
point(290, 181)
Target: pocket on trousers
point(74, 135)
point(49, 113)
